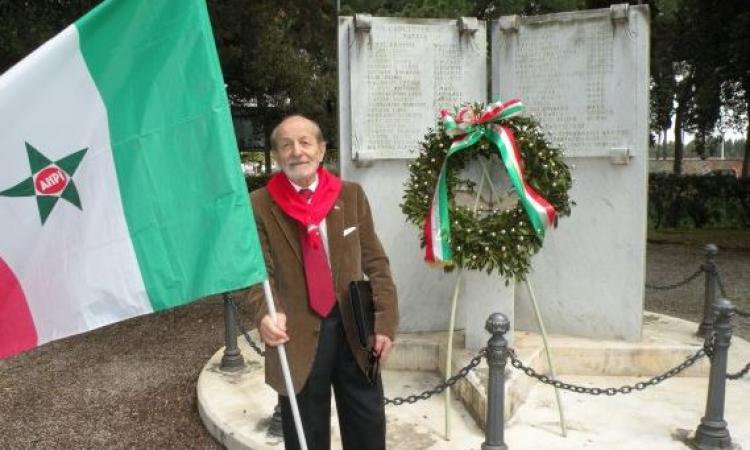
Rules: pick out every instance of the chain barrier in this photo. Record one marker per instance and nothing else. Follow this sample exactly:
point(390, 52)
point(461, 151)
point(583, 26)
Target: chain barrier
point(737, 311)
point(626, 389)
point(708, 347)
point(397, 401)
point(708, 344)
point(242, 329)
point(667, 287)
point(387, 401)
point(720, 283)
point(707, 350)
point(739, 374)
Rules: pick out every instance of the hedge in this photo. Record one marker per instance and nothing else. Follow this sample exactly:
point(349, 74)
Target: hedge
point(256, 181)
point(698, 201)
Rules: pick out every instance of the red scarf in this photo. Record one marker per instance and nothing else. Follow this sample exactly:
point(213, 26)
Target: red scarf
point(294, 205)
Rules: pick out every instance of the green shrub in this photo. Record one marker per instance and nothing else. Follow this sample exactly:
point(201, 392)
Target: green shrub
point(698, 201)
point(256, 181)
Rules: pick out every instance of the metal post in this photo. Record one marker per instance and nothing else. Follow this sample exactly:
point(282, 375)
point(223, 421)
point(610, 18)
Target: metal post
point(712, 433)
point(275, 427)
point(232, 359)
point(497, 355)
point(710, 293)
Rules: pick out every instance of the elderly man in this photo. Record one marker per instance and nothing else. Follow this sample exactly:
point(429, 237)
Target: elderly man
point(317, 235)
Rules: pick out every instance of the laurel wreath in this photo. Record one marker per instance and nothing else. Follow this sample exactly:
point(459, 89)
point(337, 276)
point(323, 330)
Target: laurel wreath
point(489, 239)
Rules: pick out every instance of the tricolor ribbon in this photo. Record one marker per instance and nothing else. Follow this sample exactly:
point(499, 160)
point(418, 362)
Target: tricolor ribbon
point(467, 129)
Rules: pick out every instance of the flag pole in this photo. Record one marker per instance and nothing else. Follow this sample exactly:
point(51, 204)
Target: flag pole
point(285, 370)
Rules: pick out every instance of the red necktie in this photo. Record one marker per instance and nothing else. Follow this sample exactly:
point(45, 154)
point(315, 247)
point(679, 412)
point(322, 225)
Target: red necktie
point(318, 275)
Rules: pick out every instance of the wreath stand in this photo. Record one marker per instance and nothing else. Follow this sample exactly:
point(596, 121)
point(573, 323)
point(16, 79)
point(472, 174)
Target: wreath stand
point(452, 324)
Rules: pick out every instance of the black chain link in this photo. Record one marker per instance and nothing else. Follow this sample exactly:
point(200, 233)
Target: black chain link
point(708, 344)
point(739, 374)
point(667, 287)
point(442, 386)
point(242, 329)
point(708, 347)
point(627, 389)
point(720, 283)
point(387, 401)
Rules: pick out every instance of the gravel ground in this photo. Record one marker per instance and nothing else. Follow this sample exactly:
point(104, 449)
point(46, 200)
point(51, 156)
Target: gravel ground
point(670, 263)
point(132, 384)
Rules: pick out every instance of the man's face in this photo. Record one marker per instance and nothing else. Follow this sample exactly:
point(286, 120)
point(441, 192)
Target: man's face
point(298, 151)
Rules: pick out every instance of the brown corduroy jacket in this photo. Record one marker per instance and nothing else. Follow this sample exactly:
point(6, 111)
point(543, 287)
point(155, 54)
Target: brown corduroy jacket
point(352, 256)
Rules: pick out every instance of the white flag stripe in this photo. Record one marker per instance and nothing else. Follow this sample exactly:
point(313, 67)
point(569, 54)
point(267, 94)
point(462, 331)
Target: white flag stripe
point(50, 101)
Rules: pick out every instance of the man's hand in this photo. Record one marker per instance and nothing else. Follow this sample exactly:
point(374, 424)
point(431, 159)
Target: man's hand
point(273, 334)
point(383, 346)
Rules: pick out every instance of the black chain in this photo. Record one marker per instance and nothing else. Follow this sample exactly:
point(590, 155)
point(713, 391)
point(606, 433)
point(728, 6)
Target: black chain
point(721, 284)
point(708, 344)
point(708, 347)
point(249, 340)
point(641, 385)
point(738, 312)
point(442, 386)
point(739, 374)
point(667, 287)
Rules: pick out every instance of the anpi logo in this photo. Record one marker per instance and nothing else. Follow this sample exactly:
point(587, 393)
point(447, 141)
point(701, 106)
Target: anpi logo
point(50, 181)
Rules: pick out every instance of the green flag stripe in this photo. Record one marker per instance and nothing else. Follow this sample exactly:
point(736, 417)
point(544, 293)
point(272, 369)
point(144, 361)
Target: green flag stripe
point(185, 202)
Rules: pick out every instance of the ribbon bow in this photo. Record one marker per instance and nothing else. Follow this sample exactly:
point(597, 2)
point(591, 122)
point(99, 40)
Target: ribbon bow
point(467, 129)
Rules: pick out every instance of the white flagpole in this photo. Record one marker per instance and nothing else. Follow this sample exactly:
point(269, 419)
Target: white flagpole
point(285, 370)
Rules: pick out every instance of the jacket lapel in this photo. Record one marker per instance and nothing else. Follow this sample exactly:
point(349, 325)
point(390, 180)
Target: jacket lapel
point(289, 228)
point(335, 228)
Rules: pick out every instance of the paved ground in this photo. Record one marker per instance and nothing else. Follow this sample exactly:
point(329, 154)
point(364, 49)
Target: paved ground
point(133, 384)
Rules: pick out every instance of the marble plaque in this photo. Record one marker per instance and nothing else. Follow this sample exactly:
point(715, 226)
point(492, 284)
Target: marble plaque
point(575, 73)
point(402, 72)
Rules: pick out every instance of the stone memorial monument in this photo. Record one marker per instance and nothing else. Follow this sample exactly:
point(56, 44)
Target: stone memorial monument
point(585, 76)
point(394, 77)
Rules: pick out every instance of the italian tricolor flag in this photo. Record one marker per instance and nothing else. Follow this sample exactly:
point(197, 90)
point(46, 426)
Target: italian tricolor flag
point(121, 191)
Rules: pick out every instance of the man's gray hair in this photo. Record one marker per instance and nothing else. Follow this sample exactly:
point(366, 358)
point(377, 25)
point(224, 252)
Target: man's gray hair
point(275, 132)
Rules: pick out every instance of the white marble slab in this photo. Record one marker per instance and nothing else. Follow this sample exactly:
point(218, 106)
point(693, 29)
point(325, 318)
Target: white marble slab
point(401, 73)
point(585, 76)
point(425, 293)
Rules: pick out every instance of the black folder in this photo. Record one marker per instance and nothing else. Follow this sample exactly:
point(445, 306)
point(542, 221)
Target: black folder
point(360, 296)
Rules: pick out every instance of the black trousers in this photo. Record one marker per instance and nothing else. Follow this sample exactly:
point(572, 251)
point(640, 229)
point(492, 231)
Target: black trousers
point(359, 403)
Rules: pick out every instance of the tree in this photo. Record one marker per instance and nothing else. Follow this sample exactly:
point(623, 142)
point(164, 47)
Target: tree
point(736, 72)
point(714, 43)
point(278, 57)
point(25, 25)
point(663, 86)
